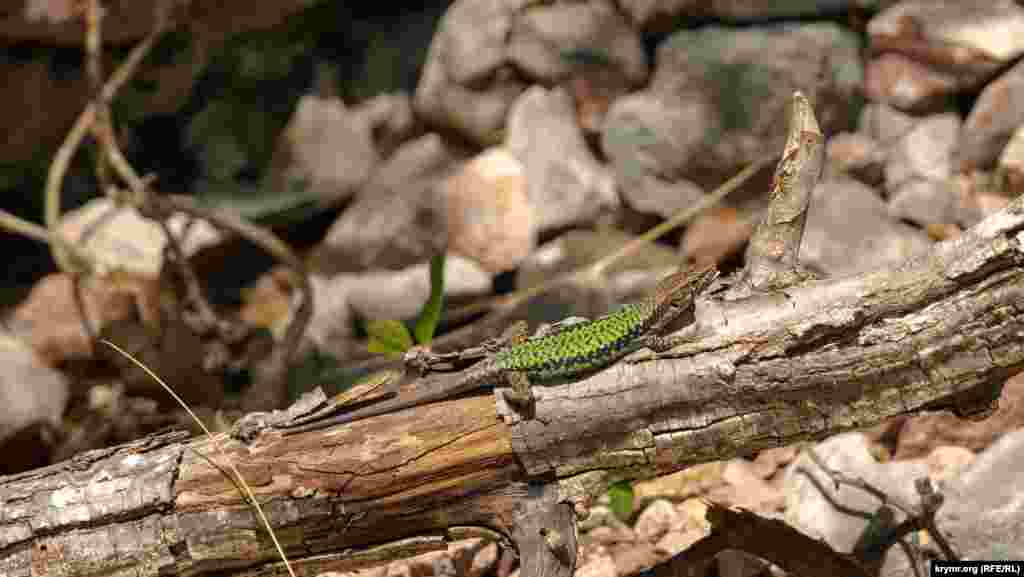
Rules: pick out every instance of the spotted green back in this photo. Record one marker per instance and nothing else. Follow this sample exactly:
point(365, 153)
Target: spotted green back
point(578, 348)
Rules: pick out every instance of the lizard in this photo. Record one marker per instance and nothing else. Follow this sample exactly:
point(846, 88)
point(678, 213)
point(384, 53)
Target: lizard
point(568, 351)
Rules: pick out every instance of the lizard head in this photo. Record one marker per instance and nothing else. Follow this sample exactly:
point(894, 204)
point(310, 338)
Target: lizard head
point(678, 290)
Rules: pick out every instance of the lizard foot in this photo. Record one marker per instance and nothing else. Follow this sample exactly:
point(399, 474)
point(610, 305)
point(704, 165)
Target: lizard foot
point(519, 396)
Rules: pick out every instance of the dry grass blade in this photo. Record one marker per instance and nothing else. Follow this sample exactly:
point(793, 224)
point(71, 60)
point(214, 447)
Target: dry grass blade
point(236, 475)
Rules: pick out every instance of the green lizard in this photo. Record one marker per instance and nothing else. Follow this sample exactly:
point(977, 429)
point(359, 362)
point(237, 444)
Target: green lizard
point(568, 351)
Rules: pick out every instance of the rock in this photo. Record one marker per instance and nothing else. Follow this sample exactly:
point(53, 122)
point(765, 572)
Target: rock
point(769, 461)
point(595, 83)
point(744, 488)
point(50, 319)
point(675, 542)
point(659, 16)
point(982, 512)
point(465, 83)
point(883, 123)
point(115, 238)
point(920, 434)
point(30, 393)
point(849, 230)
point(924, 202)
point(924, 153)
point(597, 566)
point(947, 462)
point(967, 41)
point(489, 216)
point(393, 222)
point(856, 154)
point(905, 83)
point(716, 103)
point(992, 121)
point(326, 149)
point(379, 295)
point(611, 535)
point(657, 519)
point(566, 184)
point(716, 235)
point(692, 481)
point(392, 119)
point(809, 505)
point(1011, 163)
point(648, 142)
point(544, 37)
point(632, 559)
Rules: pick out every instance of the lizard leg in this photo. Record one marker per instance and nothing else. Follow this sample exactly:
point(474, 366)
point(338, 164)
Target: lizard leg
point(660, 344)
point(547, 330)
point(514, 334)
point(520, 395)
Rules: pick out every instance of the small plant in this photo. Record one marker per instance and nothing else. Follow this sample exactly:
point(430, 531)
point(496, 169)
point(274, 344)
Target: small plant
point(620, 495)
point(392, 337)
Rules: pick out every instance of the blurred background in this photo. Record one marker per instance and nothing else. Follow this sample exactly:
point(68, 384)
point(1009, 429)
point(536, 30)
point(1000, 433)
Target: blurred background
point(520, 139)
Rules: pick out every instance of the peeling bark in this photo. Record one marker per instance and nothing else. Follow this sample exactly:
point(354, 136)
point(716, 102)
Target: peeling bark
point(944, 331)
point(764, 369)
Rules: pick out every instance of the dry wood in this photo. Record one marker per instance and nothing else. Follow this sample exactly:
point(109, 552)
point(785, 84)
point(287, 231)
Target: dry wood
point(772, 255)
point(156, 505)
point(766, 368)
point(943, 331)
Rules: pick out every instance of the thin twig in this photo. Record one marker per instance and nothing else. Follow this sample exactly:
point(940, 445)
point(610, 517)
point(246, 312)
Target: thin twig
point(596, 269)
point(94, 70)
point(193, 290)
point(32, 230)
point(91, 332)
point(680, 218)
point(917, 518)
point(840, 478)
point(84, 122)
point(277, 366)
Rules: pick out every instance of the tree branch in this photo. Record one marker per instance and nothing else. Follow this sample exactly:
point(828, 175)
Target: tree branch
point(943, 331)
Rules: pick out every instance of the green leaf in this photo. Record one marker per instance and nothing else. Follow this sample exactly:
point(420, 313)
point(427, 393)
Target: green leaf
point(428, 318)
point(265, 206)
point(621, 496)
point(390, 337)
